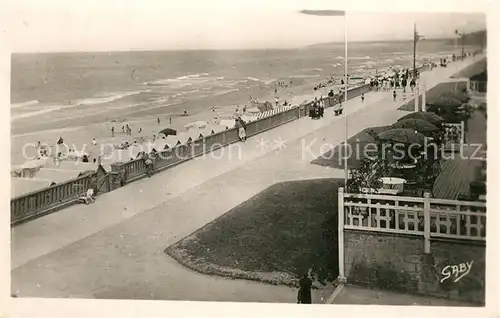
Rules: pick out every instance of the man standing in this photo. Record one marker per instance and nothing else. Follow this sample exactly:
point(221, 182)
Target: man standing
point(304, 293)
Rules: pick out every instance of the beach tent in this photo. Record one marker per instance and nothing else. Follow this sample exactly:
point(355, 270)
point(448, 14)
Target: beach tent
point(20, 186)
point(168, 131)
point(265, 106)
point(196, 124)
point(171, 140)
point(228, 123)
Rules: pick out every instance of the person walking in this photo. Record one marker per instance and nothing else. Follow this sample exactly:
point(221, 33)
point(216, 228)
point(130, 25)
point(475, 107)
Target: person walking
point(304, 292)
point(362, 97)
point(158, 120)
point(112, 131)
point(394, 95)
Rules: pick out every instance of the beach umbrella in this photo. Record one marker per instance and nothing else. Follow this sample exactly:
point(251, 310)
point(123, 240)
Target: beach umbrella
point(462, 97)
point(420, 125)
point(427, 116)
point(402, 135)
point(445, 101)
point(168, 131)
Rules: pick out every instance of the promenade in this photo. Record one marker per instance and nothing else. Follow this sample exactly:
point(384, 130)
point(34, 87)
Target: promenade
point(114, 247)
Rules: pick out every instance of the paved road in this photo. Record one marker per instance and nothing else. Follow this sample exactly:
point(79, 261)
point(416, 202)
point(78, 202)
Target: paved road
point(114, 247)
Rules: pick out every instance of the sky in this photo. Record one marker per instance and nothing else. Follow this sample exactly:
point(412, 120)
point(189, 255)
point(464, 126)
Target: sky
point(49, 25)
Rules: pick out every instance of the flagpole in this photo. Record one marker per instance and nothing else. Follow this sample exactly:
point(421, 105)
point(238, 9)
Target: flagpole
point(346, 171)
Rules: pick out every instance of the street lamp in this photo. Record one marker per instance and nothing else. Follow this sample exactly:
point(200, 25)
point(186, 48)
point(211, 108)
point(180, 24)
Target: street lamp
point(416, 37)
point(461, 35)
point(338, 13)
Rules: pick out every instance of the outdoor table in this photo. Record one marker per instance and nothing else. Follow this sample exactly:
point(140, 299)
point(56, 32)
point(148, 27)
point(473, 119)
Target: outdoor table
point(393, 183)
point(380, 191)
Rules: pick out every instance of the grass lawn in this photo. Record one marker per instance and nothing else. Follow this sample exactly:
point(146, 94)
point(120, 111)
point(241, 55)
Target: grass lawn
point(273, 237)
point(433, 93)
point(334, 158)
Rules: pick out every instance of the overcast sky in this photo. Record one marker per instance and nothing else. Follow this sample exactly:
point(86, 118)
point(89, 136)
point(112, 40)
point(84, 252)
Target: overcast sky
point(217, 24)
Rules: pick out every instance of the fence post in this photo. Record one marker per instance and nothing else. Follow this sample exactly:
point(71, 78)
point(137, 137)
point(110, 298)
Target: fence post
point(424, 91)
point(416, 96)
point(341, 221)
point(462, 132)
point(427, 223)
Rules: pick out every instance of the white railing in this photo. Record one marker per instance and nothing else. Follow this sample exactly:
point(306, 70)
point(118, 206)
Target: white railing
point(425, 216)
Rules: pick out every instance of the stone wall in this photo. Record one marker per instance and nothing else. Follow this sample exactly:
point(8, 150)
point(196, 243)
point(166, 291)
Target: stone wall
point(454, 269)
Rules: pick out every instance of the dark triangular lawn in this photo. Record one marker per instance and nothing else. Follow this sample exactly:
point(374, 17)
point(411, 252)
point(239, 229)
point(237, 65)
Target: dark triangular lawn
point(287, 228)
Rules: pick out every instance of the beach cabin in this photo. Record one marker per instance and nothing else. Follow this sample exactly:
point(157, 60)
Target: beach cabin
point(57, 175)
point(20, 186)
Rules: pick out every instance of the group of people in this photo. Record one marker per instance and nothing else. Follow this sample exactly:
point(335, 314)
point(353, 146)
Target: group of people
point(390, 83)
point(330, 81)
point(318, 108)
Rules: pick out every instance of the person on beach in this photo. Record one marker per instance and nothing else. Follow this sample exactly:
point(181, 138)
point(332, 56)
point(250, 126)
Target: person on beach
point(170, 120)
point(277, 101)
point(394, 95)
point(331, 93)
point(140, 130)
point(404, 83)
point(112, 131)
point(94, 142)
point(241, 126)
point(60, 141)
point(362, 97)
point(304, 292)
point(412, 84)
point(158, 120)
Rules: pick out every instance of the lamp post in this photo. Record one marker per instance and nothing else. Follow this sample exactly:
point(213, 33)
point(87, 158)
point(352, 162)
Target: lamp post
point(338, 13)
point(461, 35)
point(416, 37)
point(341, 220)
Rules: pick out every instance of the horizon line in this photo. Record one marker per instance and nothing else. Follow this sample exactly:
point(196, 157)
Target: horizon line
point(229, 49)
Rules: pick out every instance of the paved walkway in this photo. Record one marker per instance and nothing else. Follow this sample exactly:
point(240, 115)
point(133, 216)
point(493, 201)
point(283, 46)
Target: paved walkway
point(355, 295)
point(114, 247)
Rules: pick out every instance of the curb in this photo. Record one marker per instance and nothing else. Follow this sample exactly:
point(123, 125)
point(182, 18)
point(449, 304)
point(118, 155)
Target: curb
point(335, 293)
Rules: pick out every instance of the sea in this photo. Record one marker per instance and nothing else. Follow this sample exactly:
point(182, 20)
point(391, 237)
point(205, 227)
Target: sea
point(62, 90)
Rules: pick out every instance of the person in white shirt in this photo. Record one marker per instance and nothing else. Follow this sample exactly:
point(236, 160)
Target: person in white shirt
point(94, 142)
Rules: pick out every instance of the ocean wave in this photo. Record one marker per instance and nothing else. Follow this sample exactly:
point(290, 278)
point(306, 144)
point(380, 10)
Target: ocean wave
point(186, 93)
point(225, 92)
point(28, 103)
point(254, 79)
point(367, 57)
point(185, 80)
point(192, 76)
point(305, 76)
point(107, 98)
point(38, 111)
point(318, 69)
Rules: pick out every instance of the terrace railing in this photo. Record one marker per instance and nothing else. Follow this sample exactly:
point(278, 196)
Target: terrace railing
point(44, 201)
point(427, 217)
